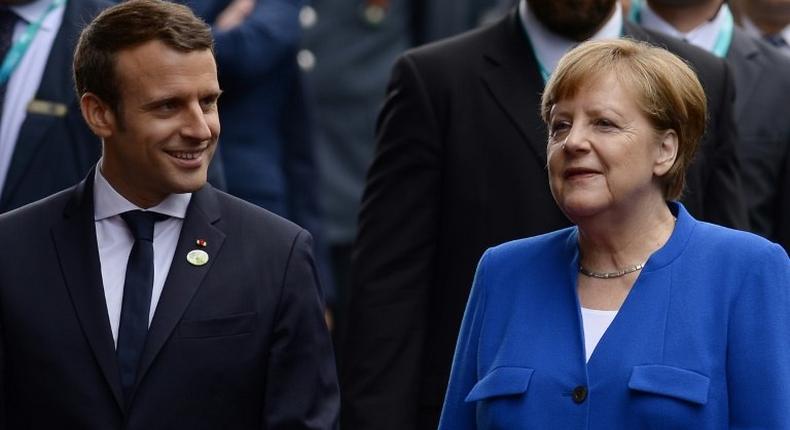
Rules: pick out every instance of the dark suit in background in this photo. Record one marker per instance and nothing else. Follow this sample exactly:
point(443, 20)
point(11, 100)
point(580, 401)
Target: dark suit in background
point(459, 167)
point(348, 63)
point(237, 343)
point(55, 149)
point(762, 80)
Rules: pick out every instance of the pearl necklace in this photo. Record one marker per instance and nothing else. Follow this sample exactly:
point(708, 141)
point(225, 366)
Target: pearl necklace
point(609, 275)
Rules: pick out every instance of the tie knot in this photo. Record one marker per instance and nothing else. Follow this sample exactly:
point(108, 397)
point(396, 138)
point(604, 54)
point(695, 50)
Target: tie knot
point(776, 40)
point(141, 223)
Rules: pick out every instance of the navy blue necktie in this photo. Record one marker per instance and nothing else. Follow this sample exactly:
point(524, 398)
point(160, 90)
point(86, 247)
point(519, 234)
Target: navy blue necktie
point(776, 40)
point(7, 23)
point(137, 288)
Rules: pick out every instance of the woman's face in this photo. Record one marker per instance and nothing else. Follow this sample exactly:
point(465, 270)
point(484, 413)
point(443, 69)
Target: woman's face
point(603, 153)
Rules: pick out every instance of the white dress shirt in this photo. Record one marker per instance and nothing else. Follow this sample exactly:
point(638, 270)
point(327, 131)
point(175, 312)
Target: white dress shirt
point(550, 47)
point(25, 80)
point(115, 242)
point(704, 36)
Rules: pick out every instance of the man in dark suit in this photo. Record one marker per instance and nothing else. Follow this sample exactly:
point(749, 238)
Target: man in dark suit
point(762, 81)
point(459, 167)
point(143, 298)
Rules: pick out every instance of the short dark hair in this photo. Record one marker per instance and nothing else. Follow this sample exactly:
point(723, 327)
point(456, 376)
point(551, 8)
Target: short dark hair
point(127, 25)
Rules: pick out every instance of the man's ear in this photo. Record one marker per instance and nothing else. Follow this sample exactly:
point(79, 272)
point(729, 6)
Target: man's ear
point(100, 117)
point(667, 152)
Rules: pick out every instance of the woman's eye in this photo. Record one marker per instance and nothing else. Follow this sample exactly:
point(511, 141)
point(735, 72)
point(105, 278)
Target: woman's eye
point(603, 122)
point(559, 127)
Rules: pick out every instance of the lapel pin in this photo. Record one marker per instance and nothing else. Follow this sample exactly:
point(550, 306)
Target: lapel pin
point(201, 243)
point(197, 257)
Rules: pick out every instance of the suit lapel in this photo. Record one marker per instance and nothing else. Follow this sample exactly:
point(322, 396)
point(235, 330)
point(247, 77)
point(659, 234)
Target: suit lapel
point(56, 87)
point(747, 65)
point(512, 76)
point(75, 244)
point(184, 278)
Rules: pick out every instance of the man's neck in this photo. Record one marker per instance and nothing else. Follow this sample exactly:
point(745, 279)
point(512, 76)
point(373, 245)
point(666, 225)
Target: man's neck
point(686, 17)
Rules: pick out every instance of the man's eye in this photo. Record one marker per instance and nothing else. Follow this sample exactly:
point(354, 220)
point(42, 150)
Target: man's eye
point(208, 104)
point(168, 106)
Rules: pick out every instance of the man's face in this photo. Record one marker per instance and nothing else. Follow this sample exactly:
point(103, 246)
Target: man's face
point(574, 19)
point(165, 134)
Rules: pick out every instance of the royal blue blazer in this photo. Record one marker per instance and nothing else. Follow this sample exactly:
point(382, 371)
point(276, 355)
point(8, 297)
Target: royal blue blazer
point(701, 342)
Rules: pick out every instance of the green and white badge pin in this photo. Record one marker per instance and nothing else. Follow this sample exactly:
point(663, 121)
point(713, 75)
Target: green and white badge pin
point(197, 257)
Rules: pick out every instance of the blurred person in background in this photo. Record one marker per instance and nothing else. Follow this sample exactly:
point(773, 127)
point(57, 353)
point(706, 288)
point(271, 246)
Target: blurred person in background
point(348, 52)
point(769, 19)
point(459, 167)
point(45, 145)
point(762, 81)
point(639, 316)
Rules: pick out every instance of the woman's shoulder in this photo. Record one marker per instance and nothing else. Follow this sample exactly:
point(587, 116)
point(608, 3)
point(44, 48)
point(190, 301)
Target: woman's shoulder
point(536, 245)
point(728, 241)
point(532, 252)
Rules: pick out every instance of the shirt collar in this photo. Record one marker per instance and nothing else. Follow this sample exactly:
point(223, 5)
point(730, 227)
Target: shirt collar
point(33, 11)
point(786, 34)
point(704, 36)
point(109, 203)
point(550, 47)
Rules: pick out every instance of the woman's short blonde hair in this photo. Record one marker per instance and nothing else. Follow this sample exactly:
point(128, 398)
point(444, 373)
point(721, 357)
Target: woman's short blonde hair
point(667, 91)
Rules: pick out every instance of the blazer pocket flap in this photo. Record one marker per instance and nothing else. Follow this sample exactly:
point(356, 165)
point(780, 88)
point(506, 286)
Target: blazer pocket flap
point(219, 326)
point(502, 381)
point(670, 381)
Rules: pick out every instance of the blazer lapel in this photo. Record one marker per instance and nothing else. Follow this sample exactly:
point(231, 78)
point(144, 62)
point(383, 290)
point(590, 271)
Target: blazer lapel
point(75, 244)
point(56, 87)
point(747, 65)
point(184, 278)
point(512, 76)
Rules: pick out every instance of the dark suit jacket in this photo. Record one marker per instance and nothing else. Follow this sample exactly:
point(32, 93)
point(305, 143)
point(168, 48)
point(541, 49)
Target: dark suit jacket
point(459, 167)
point(55, 151)
point(762, 80)
point(238, 343)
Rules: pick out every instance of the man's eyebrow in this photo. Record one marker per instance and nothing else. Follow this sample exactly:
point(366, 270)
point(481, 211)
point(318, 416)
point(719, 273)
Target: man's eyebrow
point(214, 94)
point(160, 101)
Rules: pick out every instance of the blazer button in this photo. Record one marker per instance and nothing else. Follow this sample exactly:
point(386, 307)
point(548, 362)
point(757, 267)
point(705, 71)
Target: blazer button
point(579, 394)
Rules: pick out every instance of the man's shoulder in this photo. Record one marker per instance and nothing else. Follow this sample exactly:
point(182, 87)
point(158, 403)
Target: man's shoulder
point(37, 216)
point(460, 48)
point(253, 220)
point(702, 61)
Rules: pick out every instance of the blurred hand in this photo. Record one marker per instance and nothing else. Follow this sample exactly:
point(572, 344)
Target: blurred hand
point(233, 15)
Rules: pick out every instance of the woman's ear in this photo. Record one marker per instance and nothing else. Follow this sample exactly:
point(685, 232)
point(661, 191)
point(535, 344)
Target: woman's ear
point(667, 152)
point(99, 116)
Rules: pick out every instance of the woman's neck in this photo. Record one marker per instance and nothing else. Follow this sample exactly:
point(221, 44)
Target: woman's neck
point(611, 242)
